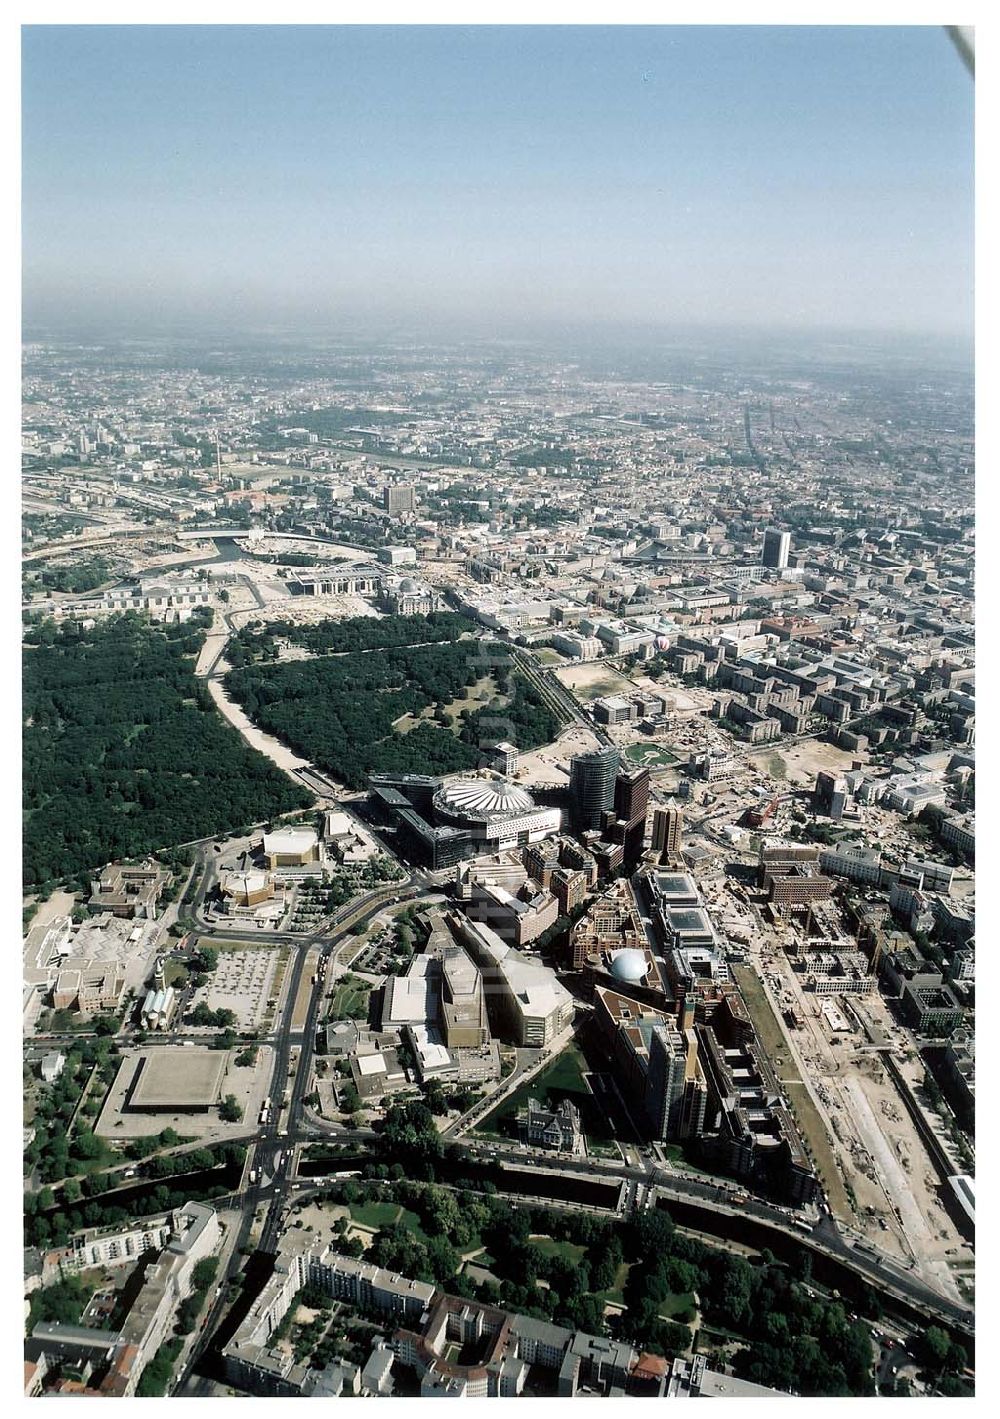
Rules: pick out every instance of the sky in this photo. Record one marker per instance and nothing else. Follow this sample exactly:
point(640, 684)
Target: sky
point(497, 177)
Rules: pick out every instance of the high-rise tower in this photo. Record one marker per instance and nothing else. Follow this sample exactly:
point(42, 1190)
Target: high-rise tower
point(592, 786)
point(777, 546)
point(668, 824)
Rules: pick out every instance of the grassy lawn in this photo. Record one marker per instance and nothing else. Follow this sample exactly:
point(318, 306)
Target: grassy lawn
point(616, 1296)
point(475, 697)
point(652, 756)
point(609, 684)
point(351, 1001)
point(806, 1114)
point(548, 1246)
point(675, 1153)
point(675, 1303)
point(377, 1215)
point(174, 973)
point(563, 1078)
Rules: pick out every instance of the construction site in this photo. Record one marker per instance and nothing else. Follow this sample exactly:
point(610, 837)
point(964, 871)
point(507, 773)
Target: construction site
point(853, 1079)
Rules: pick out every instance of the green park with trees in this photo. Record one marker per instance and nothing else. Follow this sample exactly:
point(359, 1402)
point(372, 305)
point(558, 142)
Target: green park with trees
point(125, 752)
point(340, 709)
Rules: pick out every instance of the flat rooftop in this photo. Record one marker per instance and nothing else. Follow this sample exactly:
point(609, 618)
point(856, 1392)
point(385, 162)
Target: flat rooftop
point(178, 1078)
point(688, 920)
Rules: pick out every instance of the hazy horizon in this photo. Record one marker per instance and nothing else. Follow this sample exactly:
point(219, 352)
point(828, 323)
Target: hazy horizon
point(497, 179)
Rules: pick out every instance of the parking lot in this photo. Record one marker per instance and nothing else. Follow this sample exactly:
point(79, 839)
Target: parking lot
point(241, 982)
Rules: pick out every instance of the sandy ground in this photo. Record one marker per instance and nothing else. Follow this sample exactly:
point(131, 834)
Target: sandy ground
point(267, 546)
point(922, 1235)
point(874, 1141)
point(256, 738)
point(803, 761)
point(549, 766)
point(59, 904)
point(593, 680)
point(301, 610)
point(214, 642)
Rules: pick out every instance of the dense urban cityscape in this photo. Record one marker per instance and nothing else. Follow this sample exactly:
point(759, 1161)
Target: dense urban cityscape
point(499, 866)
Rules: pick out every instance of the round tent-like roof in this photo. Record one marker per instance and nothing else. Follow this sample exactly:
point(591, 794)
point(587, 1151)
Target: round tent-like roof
point(479, 799)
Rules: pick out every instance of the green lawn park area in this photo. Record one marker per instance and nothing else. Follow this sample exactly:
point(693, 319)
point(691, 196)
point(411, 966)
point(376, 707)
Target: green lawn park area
point(616, 1296)
point(807, 1117)
point(675, 1153)
point(548, 1246)
point(563, 1078)
point(676, 1303)
point(351, 1000)
point(376, 1215)
point(650, 756)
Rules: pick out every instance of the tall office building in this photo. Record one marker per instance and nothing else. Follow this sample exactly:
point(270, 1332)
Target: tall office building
point(668, 824)
point(777, 546)
point(665, 1079)
point(631, 806)
point(676, 1095)
point(830, 796)
point(592, 786)
point(631, 794)
point(398, 497)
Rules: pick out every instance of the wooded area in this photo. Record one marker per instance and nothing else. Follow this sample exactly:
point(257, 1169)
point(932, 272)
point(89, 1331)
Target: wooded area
point(125, 753)
point(339, 710)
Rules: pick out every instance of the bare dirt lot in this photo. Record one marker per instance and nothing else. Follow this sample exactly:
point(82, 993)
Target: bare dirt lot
point(549, 766)
point(277, 752)
point(593, 680)
point(804, 760)
point(871, 1140)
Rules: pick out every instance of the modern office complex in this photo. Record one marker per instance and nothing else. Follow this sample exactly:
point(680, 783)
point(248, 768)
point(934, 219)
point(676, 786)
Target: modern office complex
point(592, 786)
point(777, 546)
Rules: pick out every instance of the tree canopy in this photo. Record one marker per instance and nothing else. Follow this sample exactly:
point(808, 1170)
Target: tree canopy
point(125, 753)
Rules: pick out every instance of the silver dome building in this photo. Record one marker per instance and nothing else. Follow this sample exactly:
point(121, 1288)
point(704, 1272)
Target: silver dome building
point(629, 966)
point(498, 813)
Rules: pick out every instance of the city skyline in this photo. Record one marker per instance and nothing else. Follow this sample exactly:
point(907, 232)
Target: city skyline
point(497, 178)
point(498, 687)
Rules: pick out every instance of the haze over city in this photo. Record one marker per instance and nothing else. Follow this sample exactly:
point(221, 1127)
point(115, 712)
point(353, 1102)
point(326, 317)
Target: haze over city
point(499, 745)
point(497, 179)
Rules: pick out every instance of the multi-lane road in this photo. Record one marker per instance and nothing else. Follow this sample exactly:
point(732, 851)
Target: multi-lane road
point(271, 1154)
